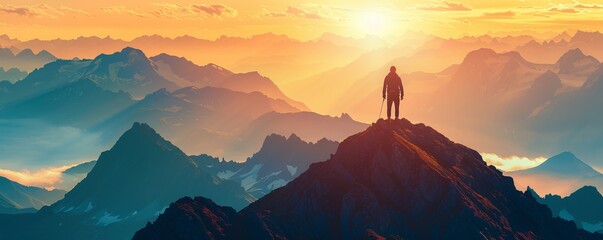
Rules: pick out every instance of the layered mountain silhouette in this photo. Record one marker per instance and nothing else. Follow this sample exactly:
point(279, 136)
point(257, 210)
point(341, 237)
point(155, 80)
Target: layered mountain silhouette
point(25, 60)
point(279, 161)
point(500, 102)
point(81, 103)
point(106, 94)
point(547, 51)
point(11, 74)
point(561, 174)
point(307, 125)
point(395, 180)
point(129, 185)
point(187, 73)
point(73, 175)
point(574, 62)
point(205, 120)
point(16, 198)
point(584, 207)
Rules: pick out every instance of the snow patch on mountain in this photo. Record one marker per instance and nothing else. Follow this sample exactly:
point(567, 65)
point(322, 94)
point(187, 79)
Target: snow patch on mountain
point(292, 170)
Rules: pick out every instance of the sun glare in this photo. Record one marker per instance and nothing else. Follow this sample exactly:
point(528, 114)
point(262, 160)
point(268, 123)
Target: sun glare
point(376, 23)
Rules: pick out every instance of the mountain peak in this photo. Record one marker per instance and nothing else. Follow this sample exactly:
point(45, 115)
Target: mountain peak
point(566, 163)
point(395, 179)
point(587, 192)
point(140, 137)
point(480, 54)
point(575, 60)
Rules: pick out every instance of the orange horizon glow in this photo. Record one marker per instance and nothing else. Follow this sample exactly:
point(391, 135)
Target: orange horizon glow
point(69, 19)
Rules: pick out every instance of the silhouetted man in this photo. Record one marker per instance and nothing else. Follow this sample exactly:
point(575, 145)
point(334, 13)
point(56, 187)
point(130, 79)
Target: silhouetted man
point(393, 87)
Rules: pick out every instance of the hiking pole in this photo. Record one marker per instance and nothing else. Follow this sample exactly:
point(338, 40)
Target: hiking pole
point(381, 108)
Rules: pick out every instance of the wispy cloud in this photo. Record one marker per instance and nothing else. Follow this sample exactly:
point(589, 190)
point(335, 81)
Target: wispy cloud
point(195, 11)
point(498, 15)
point(124, 9)
point(444, 6)
point(215, 10)
point(575, 7)
point(511, 163)
point(40, 10)
point(562, 10)
point(304, 13)
point(310, 12)
point(47, 178)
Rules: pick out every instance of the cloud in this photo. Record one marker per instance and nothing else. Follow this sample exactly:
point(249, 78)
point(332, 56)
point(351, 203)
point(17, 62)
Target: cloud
point(575, 7)
point(588, 6)
point(195, 11)
point(562, 10)
point(267, 13)
point(47, 178)
point(124, 9)
point(23, 11)
point(304, 13)
point(498, 15)
point(216, 10)
point(40, 10)
point(511, 163)
point(444, 6)
point(309, 12)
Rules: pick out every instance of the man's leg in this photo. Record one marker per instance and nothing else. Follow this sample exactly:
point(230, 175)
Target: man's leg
point(389, 108)
point(397, 103)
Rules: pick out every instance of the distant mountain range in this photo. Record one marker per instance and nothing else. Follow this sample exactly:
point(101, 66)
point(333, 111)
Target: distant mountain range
point(278, 56)
point(561, 174)
point(279, 161)
point(393, 180)
point(129, 185)
point(499, 102)
point(547, 51)
point(25, 60)
point(203, 109)
point(16, 198)
point(12, 75)
point(584, 207)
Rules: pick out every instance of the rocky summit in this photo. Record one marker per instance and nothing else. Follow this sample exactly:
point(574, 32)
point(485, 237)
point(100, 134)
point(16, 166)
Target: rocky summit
point(394, 180)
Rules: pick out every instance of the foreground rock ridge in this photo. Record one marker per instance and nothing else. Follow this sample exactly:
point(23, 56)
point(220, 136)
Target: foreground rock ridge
point(395, 180)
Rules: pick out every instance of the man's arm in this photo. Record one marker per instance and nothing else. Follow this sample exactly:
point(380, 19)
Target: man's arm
point(401, 88)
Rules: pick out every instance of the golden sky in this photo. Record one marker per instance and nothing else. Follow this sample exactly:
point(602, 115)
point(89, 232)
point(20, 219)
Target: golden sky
point(127, 19)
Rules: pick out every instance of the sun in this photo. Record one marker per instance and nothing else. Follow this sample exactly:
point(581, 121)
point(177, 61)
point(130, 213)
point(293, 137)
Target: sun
point(373, 23)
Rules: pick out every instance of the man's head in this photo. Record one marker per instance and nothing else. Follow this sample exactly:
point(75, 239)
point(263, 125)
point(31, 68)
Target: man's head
point(392, 69)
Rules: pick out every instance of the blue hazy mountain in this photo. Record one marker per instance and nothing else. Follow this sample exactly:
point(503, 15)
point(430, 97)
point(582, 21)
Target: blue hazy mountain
point(11, 74)
point(309, 126)
point(128, 70)
point(16, 198)
point(25, 60)
point(81, 104)
point(584, 207)
point(226, 123)
point(129, 185)
point(73, 175)
point(561, 174)
point(83, 168)
point(279, 161)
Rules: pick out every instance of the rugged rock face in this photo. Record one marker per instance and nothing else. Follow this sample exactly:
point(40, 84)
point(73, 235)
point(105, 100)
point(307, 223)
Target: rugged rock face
point(279, 161)
point(584, 207)
point(130, 184)
point(400, 180)
point(188, 218)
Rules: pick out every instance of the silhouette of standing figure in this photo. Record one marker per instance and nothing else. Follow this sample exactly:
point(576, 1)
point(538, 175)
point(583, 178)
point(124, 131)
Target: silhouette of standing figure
point(393, 87)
